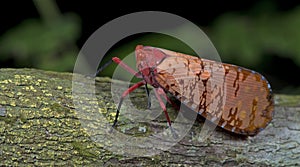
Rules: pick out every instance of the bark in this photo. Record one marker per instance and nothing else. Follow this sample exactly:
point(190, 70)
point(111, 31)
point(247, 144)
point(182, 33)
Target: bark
point(44, 122)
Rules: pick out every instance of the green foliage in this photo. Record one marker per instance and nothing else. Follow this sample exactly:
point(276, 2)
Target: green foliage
point(47, 46)
point(246, 39)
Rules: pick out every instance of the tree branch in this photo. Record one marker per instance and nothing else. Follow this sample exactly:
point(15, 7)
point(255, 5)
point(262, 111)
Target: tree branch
point(43, 123)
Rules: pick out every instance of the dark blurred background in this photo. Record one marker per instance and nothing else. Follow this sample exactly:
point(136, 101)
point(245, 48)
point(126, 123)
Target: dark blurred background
point(261, 35)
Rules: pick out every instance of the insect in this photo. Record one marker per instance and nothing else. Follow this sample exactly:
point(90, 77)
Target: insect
point(235, 98)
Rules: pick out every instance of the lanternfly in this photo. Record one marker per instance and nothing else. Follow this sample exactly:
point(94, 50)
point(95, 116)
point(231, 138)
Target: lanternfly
point(235, 98)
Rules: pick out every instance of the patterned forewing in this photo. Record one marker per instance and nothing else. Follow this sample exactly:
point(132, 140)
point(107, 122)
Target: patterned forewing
point(235, 98)
point(249, 103)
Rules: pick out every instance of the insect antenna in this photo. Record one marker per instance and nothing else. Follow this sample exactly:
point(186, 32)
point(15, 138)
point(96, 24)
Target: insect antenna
point(103, 67)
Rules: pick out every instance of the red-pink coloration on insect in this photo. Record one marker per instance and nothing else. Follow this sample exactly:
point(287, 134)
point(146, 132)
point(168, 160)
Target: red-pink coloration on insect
point(235, 98)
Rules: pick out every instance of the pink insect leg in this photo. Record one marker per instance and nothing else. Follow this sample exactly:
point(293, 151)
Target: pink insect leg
point(125, 93)
point(129, 90)
point(157, 92)
point(123, 65)
point(160, 91)
point(162, 105)
point(127, 68)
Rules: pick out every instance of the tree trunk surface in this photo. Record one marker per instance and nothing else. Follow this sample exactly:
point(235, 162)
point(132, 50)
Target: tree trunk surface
point(51, 118)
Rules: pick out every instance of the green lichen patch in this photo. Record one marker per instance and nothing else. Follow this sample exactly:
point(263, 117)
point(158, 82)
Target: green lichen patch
point(44, 122)
point(38, 122)
point(287, 100)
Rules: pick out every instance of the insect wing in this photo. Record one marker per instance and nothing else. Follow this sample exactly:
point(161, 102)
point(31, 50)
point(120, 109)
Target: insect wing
point(237, 99)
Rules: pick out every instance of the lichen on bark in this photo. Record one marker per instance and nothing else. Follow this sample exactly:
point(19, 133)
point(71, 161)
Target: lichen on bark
point(40, 125)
